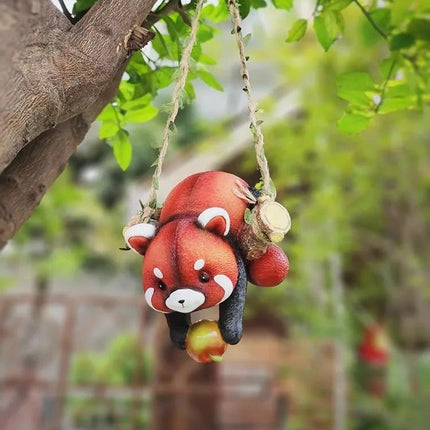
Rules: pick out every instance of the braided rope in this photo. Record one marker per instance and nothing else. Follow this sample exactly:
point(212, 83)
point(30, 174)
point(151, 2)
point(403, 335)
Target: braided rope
point(263, 165)
point(150, 208)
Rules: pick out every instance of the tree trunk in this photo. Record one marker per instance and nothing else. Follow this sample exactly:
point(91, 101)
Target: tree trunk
point(55, 78)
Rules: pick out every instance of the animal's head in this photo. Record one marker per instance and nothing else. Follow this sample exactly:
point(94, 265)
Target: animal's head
point(187, 265)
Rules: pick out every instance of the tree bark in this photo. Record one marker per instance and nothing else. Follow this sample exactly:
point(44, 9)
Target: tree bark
point(55, 78)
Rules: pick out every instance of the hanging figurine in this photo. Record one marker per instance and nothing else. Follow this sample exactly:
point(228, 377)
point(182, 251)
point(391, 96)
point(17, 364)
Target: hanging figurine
point(213, 234)
point(198, 255)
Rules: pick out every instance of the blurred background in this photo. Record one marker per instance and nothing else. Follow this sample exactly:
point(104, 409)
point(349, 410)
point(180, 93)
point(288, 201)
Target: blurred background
point(344, 343)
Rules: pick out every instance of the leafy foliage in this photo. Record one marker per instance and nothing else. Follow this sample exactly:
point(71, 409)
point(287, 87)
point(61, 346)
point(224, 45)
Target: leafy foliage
point(150, 71)
point(123, 363)
point(403, 27)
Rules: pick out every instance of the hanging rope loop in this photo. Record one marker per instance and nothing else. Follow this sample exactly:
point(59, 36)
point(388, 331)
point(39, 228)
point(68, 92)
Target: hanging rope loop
point(268, 221)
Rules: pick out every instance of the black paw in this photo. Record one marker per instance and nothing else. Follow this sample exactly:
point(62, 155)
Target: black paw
point(231, 333)
point(178, 326)
point(178, 339)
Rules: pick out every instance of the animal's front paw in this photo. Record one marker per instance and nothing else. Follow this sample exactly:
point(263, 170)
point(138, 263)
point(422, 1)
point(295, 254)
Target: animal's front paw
point(231, 333)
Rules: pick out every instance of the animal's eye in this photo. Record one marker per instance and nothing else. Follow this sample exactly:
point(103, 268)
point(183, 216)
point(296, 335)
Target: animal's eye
point(161, 285)
point(204, 277)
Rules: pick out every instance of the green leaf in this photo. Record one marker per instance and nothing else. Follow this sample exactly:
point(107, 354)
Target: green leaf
point(248, 216)
point(122, 149)
point(164, 46)
point(164, 76)
point(420, 29)
point(126, 90)
point(297, 31)
point(397, 97)
point(210, 80)
point(258, 4)
point(189, 89)
point(353, 87)
point(83, 5)
point(246, 39)
point(283, 4)
point(244, 8)
point(216, 13)
point(382, 18)
point(108, 129)
point(205, 33)
point(322, 33)
point(205, 59)
point(108, 113)
point(327, 27)
point(334, 23)
point(141, 115)
point(196, 52)
point(353, 123)
point(402, 41)
point(392, 104)
point(335, 4)
point(171, 28)
point(138, 103)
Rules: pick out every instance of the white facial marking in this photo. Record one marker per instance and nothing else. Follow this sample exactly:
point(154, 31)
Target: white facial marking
point(208, 214)
point(199, 264)
point(225, 283)
point(158, 273)
point(148, 297)
point(185, 300)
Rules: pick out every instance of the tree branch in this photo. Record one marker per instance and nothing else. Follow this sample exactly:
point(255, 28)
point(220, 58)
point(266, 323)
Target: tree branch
point(27, 178)
point(54, 74)
point(55, 78)
point(171, 7)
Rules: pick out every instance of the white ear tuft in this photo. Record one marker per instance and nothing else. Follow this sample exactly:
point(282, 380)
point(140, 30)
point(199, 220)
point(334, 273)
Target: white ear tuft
point(138, 236)
point(215, 219)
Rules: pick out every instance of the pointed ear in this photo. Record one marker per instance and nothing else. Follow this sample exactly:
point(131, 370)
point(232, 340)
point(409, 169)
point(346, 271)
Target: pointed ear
point(138, 236)
point(215, 220)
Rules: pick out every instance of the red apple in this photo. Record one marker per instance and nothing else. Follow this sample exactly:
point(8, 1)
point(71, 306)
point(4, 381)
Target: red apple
point(204, 342)
point(270, 269)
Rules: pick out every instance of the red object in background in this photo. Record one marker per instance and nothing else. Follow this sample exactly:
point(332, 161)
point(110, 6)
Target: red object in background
point(374, 346)
point(373, 353)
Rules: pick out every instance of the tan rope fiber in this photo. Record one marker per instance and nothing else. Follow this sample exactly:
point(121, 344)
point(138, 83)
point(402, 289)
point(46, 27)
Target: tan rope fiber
point(149, 209)
point(252, 108)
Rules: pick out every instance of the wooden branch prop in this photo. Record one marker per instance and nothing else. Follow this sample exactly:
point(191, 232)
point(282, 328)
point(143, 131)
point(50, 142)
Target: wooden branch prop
point(270, 222)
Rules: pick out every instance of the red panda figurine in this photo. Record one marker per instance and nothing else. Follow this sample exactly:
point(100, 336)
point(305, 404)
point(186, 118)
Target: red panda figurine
point(192, 257)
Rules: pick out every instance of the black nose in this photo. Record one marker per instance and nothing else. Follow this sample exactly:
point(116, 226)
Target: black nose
point(181, 301)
